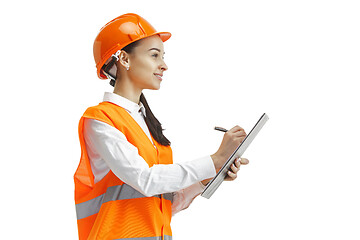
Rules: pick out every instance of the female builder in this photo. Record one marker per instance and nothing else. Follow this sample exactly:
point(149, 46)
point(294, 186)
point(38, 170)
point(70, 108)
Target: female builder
point(126, 185)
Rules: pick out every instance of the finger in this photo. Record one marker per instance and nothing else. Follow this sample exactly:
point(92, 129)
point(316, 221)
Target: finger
point(236, 129)
point(244, 161)
point(237, 163)
point(241, 131)
point(238, 138)
point(233, 168)
point(239, 134)
point(232, 175)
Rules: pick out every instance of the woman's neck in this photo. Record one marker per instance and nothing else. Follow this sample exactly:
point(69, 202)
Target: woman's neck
point(128, 91)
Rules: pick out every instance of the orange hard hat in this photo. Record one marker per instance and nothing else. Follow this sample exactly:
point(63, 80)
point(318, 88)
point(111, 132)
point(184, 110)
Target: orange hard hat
point(119, 33)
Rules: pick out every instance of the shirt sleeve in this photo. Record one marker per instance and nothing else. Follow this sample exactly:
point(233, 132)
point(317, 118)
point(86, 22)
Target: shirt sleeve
point(124, 161)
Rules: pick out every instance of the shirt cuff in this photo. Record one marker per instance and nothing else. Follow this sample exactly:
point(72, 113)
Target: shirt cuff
point(207, 167)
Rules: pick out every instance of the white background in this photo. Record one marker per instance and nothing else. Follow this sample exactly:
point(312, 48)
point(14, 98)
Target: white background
point(229, 61)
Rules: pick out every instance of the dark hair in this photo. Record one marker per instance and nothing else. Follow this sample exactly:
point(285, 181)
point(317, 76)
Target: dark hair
point(151, 121)
point(153, 124)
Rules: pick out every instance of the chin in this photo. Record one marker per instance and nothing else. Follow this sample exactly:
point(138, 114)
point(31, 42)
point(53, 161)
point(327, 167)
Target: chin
point(152, 88)
point(155, 87)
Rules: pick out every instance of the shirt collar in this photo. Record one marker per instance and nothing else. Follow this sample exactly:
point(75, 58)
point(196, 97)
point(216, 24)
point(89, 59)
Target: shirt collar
point(125, 103)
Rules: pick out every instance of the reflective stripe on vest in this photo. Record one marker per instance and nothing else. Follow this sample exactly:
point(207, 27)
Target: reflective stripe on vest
point(166, 237)
point(119, 192)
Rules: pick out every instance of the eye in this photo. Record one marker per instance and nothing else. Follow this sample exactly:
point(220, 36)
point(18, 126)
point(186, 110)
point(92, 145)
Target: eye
point(155, 55)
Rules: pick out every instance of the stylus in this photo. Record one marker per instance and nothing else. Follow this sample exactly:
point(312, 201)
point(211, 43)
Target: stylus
point(220, 129)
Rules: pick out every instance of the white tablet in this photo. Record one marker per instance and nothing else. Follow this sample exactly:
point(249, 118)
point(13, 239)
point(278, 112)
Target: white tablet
point(220, 176)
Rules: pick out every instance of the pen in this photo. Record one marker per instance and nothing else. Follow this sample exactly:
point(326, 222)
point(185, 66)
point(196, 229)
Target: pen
point(220, 129)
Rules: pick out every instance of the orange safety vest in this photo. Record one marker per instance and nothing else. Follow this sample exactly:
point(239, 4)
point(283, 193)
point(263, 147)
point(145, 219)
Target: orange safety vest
point(110, 208)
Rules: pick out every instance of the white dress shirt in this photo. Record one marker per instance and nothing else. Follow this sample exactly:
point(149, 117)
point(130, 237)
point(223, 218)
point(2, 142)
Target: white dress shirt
point(108, 148)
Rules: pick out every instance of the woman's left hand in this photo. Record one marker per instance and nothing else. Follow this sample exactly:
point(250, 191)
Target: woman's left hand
point(235, 167)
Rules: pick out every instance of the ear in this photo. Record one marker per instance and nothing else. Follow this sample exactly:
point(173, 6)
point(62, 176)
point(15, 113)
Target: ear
point(124, 59)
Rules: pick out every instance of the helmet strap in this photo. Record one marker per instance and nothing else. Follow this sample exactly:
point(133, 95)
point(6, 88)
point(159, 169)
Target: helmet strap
point(107, 66)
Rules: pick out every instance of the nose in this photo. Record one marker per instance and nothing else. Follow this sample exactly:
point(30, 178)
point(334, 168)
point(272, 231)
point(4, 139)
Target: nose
point(163, 66)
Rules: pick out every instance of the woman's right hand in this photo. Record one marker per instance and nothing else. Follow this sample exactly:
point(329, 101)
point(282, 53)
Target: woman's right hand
point(230, 142)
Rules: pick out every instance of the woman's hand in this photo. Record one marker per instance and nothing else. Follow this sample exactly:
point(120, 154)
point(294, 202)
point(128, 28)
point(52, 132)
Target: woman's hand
point(230, 142)
point(232, 173)
point(235, 167)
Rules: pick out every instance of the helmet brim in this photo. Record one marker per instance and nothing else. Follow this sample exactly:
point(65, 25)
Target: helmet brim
point(164, 36)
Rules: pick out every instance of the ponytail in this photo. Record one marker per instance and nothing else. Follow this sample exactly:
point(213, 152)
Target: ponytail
point(153, 124)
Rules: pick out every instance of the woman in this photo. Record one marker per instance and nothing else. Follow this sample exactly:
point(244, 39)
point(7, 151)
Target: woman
point(126, 185)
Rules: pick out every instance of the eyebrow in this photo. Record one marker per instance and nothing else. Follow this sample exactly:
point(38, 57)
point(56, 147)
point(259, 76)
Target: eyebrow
point(156, 49)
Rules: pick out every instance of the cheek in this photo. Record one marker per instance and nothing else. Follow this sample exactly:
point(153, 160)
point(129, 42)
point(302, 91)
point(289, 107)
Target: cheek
point(144, 69)
point(141, 74)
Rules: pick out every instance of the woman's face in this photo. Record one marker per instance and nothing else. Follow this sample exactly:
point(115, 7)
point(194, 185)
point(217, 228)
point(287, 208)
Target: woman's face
point(146, 63)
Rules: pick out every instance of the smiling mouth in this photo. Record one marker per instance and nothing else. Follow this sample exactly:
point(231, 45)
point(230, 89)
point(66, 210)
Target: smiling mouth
point(158, 76)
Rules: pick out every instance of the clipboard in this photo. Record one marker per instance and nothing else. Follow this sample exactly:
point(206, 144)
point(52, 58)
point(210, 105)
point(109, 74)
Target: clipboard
point(220, 176)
